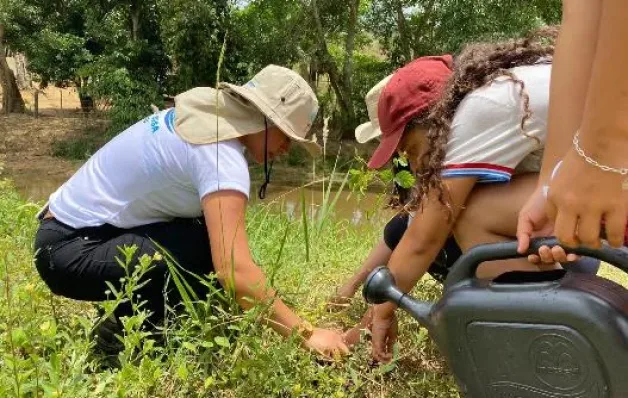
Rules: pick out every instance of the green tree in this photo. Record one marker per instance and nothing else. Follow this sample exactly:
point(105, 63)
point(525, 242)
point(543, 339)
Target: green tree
point(408, 29)
point(335, 36)
point(128, 53)
point(52, 36)
point(269, 32)
point(193, 32)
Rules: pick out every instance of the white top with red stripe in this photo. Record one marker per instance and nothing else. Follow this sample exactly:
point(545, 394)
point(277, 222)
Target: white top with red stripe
point(486, 138)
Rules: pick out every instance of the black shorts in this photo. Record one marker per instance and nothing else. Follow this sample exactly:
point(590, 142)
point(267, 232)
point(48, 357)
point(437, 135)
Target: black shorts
point(78, 263)
point(396, 227)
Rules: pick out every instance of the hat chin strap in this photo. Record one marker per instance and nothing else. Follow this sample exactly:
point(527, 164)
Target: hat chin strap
point(267, 170)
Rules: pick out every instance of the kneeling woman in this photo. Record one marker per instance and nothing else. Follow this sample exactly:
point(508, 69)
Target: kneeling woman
point(179, 179)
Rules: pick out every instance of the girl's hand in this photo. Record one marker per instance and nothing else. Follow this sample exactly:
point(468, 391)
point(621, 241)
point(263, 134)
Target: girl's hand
point(533, 221)
point(580, 198)
point(327, 343)
point(548, 256)
point(384, 332)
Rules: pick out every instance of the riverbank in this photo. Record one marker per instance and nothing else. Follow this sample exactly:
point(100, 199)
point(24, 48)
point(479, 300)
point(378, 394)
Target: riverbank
point(26, 152)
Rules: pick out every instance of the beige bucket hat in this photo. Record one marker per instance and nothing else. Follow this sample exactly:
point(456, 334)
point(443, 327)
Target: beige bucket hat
point(370, 130)
point(205, 115)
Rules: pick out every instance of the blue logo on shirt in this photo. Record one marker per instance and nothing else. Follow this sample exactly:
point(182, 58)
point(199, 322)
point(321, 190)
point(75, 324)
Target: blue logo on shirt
point(154, 124)
point(154, 121)
point(170, 120)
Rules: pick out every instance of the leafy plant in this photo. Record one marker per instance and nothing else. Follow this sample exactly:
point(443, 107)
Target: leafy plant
point(361, 179)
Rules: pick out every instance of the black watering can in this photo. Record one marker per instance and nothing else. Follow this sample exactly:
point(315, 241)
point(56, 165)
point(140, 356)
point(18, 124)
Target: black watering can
point(553, 334)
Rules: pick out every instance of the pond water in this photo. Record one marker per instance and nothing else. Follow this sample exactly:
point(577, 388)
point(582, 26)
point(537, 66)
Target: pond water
point(345, 204)
point(33, 187)
point(283, 196)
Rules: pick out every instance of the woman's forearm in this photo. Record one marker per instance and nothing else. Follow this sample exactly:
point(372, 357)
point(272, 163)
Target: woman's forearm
point(249, 283)
point(380, 255)
point(604, 134)
point(571, 73)
point(224, 215)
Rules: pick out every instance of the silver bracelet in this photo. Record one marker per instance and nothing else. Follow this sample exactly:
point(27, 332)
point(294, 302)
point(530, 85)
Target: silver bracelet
point(576, 144)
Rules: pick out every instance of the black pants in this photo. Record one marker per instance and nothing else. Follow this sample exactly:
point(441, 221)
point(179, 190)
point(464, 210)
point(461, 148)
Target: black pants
point(77, 263)
point(439, 269)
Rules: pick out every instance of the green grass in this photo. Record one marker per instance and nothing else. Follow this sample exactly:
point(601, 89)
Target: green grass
point(81, 146)
point(609, 272)
point(212, 349)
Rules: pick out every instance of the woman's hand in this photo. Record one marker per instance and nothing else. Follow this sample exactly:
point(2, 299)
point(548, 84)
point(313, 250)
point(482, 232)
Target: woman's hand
point(552, 255)
point(580, 198)
point(328, 343)
point(384, 332)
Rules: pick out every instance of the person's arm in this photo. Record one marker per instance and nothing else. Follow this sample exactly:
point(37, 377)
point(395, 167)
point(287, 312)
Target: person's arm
point(582, 195)
point(605, 122)
point(378, 256)
point(417, 250)
point(225, 218)
point(393, 232)
point(427, 234)
point(571, 72)
point(224, 215)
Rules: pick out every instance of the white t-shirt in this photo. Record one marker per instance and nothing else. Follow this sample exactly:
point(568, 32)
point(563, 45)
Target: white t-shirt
point(148, 174)
point(486, 139)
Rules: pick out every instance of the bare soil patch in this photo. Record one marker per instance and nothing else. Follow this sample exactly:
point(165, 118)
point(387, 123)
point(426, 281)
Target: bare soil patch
point(26, 151)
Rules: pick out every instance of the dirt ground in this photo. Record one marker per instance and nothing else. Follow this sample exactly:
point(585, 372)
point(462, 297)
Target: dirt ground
point(26, 151)
point(26, 142)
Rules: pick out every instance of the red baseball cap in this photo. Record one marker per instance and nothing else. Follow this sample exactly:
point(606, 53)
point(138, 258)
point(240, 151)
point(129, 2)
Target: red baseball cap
point(410, 91)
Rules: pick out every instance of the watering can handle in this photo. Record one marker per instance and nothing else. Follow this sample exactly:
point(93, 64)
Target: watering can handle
point(466, 265)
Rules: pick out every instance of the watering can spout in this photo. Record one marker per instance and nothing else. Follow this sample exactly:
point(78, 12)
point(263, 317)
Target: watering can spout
point(380, 287)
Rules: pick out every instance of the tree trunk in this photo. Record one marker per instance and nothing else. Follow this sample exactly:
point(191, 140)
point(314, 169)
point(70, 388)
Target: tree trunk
point(424, 25)
point(134, 10)
point(349, 119)
point(11, 97)
point(339, 82)
point(313, 73)
point(404, 38)
point(325, 60)
point(350, 44)
point(21, 73)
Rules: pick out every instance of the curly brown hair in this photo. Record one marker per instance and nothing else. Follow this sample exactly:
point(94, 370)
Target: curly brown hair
point(477, 65)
